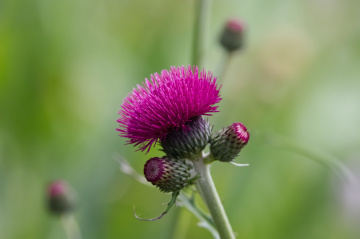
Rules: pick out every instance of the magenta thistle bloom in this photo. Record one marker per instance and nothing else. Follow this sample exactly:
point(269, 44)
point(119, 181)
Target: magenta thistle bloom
point(166, 102)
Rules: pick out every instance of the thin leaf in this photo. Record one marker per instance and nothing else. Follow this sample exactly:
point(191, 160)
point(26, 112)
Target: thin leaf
point(170, 204)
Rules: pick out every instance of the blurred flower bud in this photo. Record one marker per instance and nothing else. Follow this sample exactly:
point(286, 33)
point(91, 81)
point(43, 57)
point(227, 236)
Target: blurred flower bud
point(232, 37)
point(226, 144)
point(169, 175)
point(187, 142)
point(60, 198)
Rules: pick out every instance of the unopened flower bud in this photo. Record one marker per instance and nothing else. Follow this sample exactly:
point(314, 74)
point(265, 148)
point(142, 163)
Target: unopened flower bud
point(232, 37)
point(226, 144)
point(187, 142)
point(60, 198)
point(169, 175)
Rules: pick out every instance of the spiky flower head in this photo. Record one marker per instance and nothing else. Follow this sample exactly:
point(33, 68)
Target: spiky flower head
point(168, 174)
point(226, 144)
point(165, 103)
point(60, 197)
point(232, 35)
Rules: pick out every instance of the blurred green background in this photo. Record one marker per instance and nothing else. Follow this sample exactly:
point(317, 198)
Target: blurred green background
point(65, 67)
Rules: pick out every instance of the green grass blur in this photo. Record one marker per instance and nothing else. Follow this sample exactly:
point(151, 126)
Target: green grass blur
point(65, 67)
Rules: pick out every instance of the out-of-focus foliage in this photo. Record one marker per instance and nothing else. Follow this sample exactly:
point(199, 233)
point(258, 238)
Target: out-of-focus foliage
point(65, 67)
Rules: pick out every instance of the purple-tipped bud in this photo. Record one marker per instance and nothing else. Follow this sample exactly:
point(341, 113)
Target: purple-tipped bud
point(189, 141)
point(226, 144)
point(232, 37)
point(169, 175)
point(60, 198)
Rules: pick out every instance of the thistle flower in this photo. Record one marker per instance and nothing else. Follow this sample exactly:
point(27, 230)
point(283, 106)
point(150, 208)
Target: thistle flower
point(60, 198)
point(168, 174)
point(232, 36)
point(226, 144)
point(166, 102)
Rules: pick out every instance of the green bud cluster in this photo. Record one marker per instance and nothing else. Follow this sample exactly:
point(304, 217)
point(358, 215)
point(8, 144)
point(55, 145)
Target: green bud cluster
point(172, 172)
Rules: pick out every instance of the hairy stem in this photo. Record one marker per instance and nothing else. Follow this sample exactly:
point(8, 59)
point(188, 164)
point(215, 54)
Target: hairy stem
point(207, 190)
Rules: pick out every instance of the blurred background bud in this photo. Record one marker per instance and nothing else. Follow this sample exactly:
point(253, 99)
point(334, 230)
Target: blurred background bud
point(60, 198)
point(232, 36)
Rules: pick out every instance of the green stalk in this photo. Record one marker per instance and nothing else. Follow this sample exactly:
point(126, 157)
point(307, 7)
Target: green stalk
point(207, 190)
point(202, 17)
point(205, 184)
point(70, 226)
point(224, 65)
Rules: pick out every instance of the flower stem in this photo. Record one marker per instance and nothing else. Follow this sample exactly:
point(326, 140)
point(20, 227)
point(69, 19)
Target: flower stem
point(70, 226)
point(202, 15)
point(224, 65)
point(207, 190)
point(205, 219)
